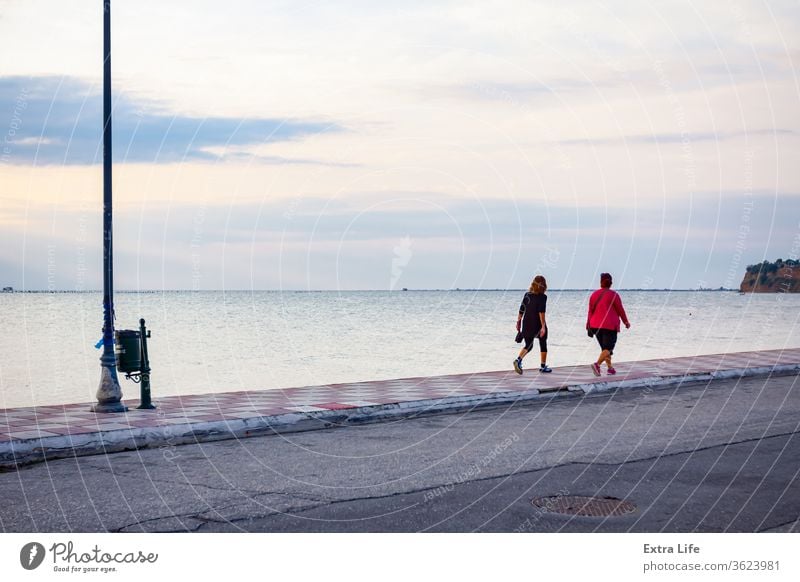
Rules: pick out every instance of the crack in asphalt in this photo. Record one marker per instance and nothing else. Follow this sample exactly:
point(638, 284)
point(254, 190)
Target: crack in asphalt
point(179, 516)
point(200, 516)
point(689, 452)
point(232, 488)
point(796, 521)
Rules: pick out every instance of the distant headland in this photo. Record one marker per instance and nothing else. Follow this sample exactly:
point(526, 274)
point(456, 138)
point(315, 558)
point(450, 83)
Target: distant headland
point(778, 277)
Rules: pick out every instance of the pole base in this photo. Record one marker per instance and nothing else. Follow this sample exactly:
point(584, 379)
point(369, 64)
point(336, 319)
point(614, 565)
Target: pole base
point(109, 393)
point(146, 407)
point(109, 407)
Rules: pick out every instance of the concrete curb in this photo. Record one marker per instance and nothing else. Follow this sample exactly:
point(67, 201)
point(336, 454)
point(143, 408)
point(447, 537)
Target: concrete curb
point(661, 381)
point(14, 454)
point(17, 453)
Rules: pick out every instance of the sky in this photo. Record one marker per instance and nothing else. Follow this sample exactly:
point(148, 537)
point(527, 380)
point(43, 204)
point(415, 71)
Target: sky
point(380, 145)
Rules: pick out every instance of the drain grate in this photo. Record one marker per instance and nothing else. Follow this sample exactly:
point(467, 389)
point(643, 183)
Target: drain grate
point(585, 506)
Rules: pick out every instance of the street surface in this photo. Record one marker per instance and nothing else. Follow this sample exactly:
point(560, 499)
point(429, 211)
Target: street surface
point(712, 457)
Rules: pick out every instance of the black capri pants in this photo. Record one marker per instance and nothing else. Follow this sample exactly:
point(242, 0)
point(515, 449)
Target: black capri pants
point(542, 341)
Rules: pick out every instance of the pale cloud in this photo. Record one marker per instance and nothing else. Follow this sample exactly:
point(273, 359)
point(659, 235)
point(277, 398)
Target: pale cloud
point(60, 122)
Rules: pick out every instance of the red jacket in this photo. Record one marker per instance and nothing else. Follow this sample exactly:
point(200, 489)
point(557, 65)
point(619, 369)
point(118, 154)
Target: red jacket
point(605, 310)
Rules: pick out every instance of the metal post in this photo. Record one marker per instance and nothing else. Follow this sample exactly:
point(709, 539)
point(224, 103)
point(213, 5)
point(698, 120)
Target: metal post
point(109, 393)
point(146, 403)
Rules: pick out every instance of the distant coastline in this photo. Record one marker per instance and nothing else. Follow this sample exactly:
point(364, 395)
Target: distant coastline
point(768, 277)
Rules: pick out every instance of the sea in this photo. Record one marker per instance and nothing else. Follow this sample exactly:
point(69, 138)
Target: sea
point(222, 341)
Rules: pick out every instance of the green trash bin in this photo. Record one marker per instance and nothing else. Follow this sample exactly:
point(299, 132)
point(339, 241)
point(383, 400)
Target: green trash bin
point(128, 351)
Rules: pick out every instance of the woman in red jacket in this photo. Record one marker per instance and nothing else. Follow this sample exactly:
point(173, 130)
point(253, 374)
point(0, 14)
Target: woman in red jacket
point(605, 311)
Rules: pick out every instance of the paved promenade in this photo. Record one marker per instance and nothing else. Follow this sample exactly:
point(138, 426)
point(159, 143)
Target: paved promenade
point(33, 434)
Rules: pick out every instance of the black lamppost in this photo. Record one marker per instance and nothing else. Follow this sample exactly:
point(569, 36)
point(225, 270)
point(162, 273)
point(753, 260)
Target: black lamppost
point(109, 393)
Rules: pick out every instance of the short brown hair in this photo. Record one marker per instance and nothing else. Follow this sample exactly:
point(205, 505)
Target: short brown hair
point(605, 280)
point(538, 285)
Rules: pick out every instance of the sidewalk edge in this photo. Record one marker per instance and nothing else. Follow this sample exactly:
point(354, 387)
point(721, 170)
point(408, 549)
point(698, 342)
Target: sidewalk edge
point(15, 454)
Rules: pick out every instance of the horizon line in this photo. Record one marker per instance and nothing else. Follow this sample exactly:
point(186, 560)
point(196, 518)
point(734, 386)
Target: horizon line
point(403, 290)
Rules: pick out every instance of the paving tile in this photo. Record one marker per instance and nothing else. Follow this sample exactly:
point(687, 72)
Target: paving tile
point(19, 414)
point(360, 403)
point(472, 392)
point(273, 411)
point(31, 434)
point(53, 427)
point(19, 423)
point(232, 415)
point(191, 414)
point(78, 429)
point(334, 405)
point(207, 418)
point(112, 426)
point(305, 408)
point(179, 415)
point(406, 398)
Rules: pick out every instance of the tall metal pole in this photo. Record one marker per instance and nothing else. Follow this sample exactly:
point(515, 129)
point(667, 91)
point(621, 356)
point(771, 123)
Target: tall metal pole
point(109, 393)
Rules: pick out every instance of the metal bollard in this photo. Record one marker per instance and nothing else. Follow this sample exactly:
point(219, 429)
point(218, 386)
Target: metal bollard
point(146, 403)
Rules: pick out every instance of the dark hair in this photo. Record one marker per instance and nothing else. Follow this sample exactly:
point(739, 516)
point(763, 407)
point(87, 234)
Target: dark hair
point(605, 280)
point(538, 285)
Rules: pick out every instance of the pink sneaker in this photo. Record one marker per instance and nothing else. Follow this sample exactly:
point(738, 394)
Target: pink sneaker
point(611, 371)
point(596, 369)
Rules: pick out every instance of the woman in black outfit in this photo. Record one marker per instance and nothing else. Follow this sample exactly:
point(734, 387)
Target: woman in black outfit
point(531, 323)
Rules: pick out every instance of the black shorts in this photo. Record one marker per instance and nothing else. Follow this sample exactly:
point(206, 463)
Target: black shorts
point(607, 338)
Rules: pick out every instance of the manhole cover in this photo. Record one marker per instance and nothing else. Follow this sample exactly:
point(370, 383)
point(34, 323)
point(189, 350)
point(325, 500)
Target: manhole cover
point(585, 506)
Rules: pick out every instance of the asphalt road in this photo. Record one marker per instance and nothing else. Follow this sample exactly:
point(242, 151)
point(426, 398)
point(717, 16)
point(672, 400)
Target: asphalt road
point(721, 456)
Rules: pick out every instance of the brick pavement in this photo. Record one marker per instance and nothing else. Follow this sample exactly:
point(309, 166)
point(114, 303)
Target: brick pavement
point(31, 434)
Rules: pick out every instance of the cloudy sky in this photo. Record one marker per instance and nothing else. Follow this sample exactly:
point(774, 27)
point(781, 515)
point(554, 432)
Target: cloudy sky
point(378, 145)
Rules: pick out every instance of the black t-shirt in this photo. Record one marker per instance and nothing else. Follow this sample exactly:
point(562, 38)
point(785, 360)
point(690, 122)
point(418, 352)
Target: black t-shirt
point(531, 306)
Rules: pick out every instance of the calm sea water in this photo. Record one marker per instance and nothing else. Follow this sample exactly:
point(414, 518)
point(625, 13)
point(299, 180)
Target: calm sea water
point(225, 341)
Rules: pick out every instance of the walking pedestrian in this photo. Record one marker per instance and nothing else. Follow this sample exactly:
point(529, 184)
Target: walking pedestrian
point(602, 322)
point(531, 323)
